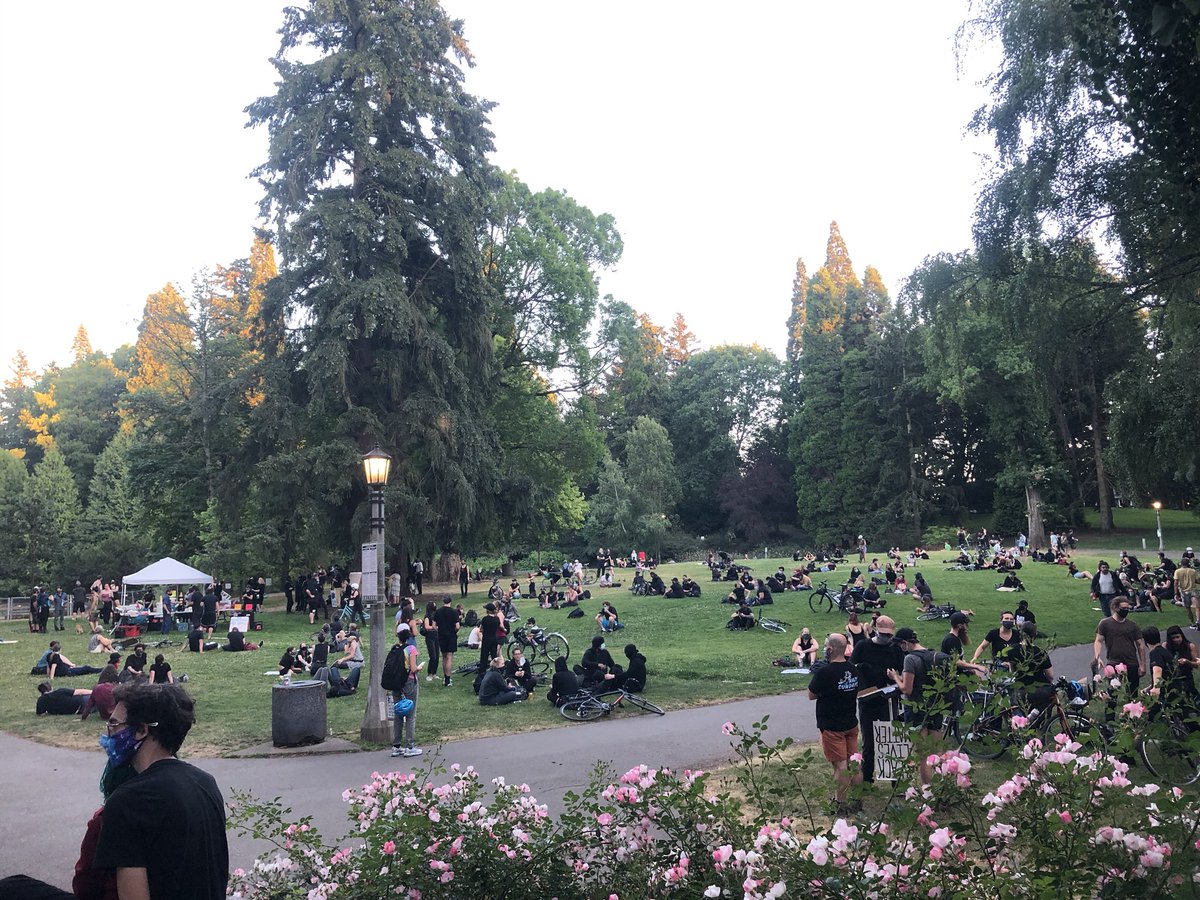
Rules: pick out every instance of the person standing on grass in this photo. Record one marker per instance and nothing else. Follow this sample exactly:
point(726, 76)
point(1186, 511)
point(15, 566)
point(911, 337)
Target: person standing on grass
point(835, 688)
point(1105, 586)
point(429, 629)
point(448, 622)
point(1185, 590)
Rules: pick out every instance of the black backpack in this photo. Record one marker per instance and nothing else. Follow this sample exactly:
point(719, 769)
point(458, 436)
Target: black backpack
point(394, 675)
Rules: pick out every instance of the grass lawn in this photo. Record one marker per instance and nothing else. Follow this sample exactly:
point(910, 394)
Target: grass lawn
point(692, 658)
point(1181, 528)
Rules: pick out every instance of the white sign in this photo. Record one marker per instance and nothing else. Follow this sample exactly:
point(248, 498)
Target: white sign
point(389, 710)
point(892, 748)
point(241, 623)
point(370, 570)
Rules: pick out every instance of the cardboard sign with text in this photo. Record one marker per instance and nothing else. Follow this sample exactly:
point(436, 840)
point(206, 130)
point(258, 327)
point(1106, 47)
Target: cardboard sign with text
point(892, 748)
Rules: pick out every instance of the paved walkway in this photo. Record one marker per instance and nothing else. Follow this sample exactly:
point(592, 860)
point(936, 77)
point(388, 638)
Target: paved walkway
point(48, 793)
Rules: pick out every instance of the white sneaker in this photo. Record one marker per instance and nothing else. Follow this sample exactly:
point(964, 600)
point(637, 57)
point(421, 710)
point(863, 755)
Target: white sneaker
point(398, 751)
point(412, 751)
point(429, 678)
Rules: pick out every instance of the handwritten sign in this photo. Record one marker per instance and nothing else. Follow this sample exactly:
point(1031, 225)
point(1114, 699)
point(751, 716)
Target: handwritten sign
point(892, 748)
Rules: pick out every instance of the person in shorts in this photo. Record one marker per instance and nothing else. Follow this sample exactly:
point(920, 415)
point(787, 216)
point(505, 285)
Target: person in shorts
point(448, 622)
point(835, 688)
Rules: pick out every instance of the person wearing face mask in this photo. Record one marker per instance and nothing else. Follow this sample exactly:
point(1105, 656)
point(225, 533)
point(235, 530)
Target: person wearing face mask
point(873, 658)
point(1121, 641)
point(1105, 586)
point(144, 817)
point(1002, 640)
point(597, 664)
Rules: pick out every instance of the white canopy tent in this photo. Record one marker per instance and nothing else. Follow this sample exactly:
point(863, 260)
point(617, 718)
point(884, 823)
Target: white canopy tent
point(166, 571)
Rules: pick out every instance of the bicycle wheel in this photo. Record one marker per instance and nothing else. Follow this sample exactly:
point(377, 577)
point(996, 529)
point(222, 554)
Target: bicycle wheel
point(1086, 731)
point(556, 646)
point(635, 700)
point(987, 737)
point(539, 668)
point(817, 600)
point(772, 625)
point(1168, 757)
point(929, 616)
point(584, 710)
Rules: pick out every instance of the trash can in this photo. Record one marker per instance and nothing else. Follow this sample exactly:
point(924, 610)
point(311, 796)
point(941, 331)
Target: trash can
point(298, 714)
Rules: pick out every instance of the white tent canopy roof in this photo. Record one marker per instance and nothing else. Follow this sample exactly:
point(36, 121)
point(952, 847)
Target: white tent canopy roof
point(168, 571)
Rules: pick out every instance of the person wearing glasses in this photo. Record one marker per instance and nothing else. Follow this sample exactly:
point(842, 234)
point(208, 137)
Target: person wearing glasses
point(144, 817)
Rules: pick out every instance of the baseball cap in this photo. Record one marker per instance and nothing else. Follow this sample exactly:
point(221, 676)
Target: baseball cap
point(402, 627)
point(905, 634)
point(959, 618)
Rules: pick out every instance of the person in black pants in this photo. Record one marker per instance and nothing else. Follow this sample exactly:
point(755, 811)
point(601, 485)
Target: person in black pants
point(429, 628)
point(464, 578)
point(448, 621)
point(489, 645)
point(873, 659)
point(289, 591)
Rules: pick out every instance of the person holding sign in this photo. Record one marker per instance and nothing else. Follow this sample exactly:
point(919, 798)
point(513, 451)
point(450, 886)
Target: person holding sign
point(835, 688)
point(873, 658)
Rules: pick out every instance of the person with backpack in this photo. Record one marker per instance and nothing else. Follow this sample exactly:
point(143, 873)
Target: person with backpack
point(921, 666)
point(400, 671)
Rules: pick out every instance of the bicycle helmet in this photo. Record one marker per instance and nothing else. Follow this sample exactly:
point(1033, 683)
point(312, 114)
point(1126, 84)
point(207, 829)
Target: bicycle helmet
point(404, 706)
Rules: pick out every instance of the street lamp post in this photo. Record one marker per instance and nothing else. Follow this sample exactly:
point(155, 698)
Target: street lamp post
point(375, 728)
point(1158, 520)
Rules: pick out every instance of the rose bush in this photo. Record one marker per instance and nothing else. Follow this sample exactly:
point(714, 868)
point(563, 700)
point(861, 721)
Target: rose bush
point(1068, 822)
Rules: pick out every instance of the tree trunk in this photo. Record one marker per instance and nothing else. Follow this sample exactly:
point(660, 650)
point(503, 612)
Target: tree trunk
point(445, 567)
point(1102, 489)
point(1033, 504)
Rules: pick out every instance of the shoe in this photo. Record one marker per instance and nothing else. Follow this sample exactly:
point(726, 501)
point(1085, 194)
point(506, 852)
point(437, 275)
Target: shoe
point(429, 678)
point(447, 682)
point(398, 751)
point(183, 677)
point(411, 751)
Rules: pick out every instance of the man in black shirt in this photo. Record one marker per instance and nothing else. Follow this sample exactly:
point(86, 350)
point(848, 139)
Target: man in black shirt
point(58, 665)
point(61, 702)
point(835, 688)
point(955, 642)
point(197, 643)
point(163, 832)
point(209, 618)
point(447, 619)
point(1002, 640)
point(135, 665)
point(873, 659)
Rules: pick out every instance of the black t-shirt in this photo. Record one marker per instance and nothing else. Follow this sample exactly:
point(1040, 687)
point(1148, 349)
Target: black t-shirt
point(237, 640)
point(951, 645)
point(136, 662)
point(836, 686)
point(1000, 643)
point(195, 638)
point(447, 623)
point(320, 656)
point(160, 672)
point(1029, 664)
point(60, 702)
point(210, 607)
point(54, 661)
point(170, 821)
point(286, 662)
point(873, 660)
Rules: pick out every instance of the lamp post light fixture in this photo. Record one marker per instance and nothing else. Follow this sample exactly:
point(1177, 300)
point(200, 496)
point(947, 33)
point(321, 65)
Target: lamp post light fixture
point(1158, 520)
point(377, 465)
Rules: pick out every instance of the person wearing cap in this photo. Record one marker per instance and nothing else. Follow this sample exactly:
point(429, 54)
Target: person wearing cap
point(955, 642)
point(873, 658)
point(914, 681)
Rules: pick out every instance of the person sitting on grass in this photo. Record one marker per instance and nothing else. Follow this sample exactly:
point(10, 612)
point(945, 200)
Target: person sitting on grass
point(633, 679)
point(742, 619)
point(58, 665)
point(111, 674)
point(690, 588)
point(160, 672)
point(197, 643)
point(516, 671)
point(290, 663)
point(607, 618)
point(656, 587)
point(901, 584)
point(1075, 572)
point(805, 649)
point(97, 642)
point(800, 581)
point(564, 684)
point(922, 591)
point(597, 665)
point(238, 643)
point(494, 690)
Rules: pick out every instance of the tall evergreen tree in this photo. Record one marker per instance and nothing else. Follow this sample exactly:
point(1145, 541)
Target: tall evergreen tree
point(377, 184)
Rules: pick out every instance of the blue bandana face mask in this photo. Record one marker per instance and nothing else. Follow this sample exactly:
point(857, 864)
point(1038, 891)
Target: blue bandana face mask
point(121, 746)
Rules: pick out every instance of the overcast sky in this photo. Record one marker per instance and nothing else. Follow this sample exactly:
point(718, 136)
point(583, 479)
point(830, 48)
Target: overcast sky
point(723, 141)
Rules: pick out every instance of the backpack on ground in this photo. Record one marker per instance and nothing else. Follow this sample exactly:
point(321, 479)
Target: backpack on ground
point(576, 613)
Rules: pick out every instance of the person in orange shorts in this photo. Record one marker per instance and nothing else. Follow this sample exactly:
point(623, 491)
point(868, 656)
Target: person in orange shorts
point(835, 688)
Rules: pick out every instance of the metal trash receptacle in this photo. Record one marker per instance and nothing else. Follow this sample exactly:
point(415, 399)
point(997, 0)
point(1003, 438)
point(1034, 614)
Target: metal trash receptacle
point(298, 714)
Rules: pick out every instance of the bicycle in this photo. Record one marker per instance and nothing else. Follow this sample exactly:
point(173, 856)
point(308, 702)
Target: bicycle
point(164, 643)
point(944, 611)
point(587, 706)
point(844, 599)
point(992, 731)
point(776, 626)
point(1171, 751)
point(541, 647)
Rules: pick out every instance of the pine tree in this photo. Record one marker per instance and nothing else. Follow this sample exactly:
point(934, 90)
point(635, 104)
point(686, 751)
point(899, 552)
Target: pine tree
point(81, 346)
point(377, 182)
point(680, 342)
point(164, 341)
point(797, 319)
point(837, 261)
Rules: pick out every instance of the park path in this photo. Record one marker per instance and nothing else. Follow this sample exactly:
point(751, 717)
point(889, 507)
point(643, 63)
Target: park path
point(49, 793)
